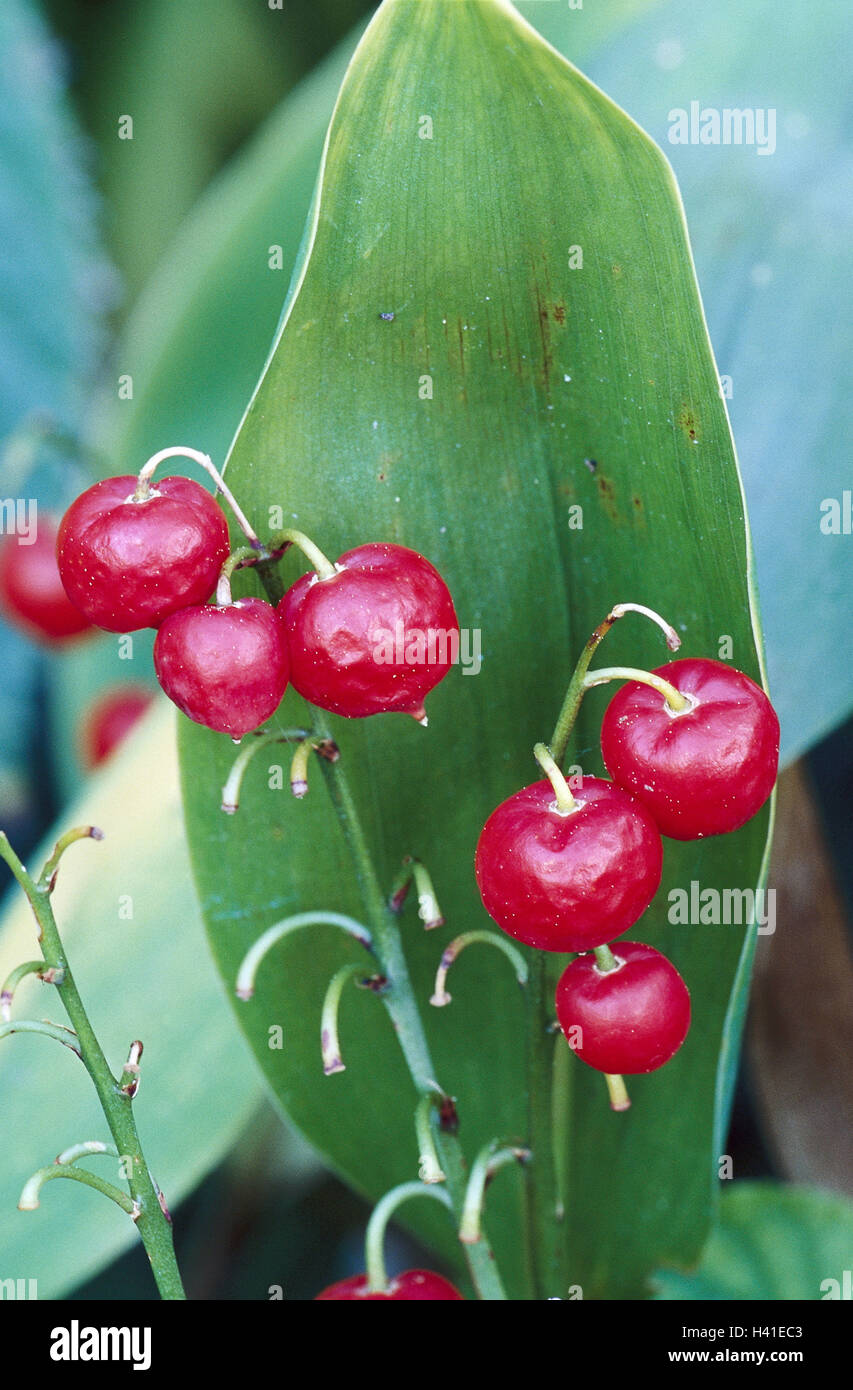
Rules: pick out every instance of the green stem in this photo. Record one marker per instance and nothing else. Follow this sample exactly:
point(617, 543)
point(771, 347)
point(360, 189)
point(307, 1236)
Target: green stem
point(85, 1150)
point(143, 486)
point(51, 868)
point(231, 791)
point(322, 564)
point(489, 1161)
point(414, 871)
point(400, 1002)
point(329, 1041)
point(563, 799)
point(429, 1165)
point(561, 1109)
point(377, 1275)
point(605, 959)
point(676, 702)
point(299, 768)
point(29, 1199)
point(575, 692)
point(616, 1088)
point(440, 996)
point(57, 1031)
point(244, 986)
point(547, 1252)
point(13, 979)
point(152, 1222)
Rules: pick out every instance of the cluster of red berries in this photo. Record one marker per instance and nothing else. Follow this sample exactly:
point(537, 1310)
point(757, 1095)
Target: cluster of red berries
point(133, 555)
point(575, 876)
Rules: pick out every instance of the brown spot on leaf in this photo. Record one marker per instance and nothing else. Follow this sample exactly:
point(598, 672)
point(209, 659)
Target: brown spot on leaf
point(559, 313)
point(607, 494)
point(686, 421)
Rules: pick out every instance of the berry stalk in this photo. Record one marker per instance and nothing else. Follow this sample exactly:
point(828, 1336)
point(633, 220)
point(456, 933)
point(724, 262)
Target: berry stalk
point(399, 1000)
point(143, 487)
point(377, 1275)
point(547, 1251)
point(577, 689)
point(150, 1215)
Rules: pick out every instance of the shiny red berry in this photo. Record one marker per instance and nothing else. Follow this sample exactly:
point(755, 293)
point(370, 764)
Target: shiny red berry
point(31, 592)
point(414, 1285)
point(224, 667)
point(631, 1019)
point(375, 637)
point(568, 882)
point(128, 564)
point(110, 719)
point(701, 772)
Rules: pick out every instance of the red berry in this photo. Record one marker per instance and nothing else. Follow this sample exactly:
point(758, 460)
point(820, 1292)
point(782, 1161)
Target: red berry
point(373, 638)
point(702, 772)
point(110, 719)
point(413, 1285)
point(31, 592)
point(224, 667)
point(127, 564)
point(631, 1019)
point(568, 882)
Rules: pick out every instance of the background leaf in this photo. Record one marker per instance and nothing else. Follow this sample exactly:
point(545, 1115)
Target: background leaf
point(54, 286)
point(772, 240)
point(538, 369)
point(772, 1242)
point(148, 977)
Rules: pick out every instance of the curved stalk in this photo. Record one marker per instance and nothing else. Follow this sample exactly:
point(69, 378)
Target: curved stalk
point(244, 986)
point(29, 1198)
point(489, 1161)
point(143, 486)
point(377, 1275)
point(400, 1002)
point(152, 1222)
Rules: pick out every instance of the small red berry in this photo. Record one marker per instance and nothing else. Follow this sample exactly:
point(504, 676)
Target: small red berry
point(375, 637)
point(128, 564)
point(225, 667)
point(414, 1285)
point(31, 592)
point(705, 771)
point(110, 719)
point(568, 882)
point(628, 1020)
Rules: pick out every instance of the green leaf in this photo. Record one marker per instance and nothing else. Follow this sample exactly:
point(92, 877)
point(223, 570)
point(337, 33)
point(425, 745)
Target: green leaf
point(197, 337)
point(539, 370)
point(771, 1242)
point(771, 241)
point(52, 268)
point(169, 68)
point(147, 976)
point(52, 291)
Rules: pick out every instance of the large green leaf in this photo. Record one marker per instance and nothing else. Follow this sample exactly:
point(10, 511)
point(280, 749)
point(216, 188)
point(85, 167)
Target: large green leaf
point(772, 240)
point(147, 975)
point(772, 1242)
point(537, 368)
